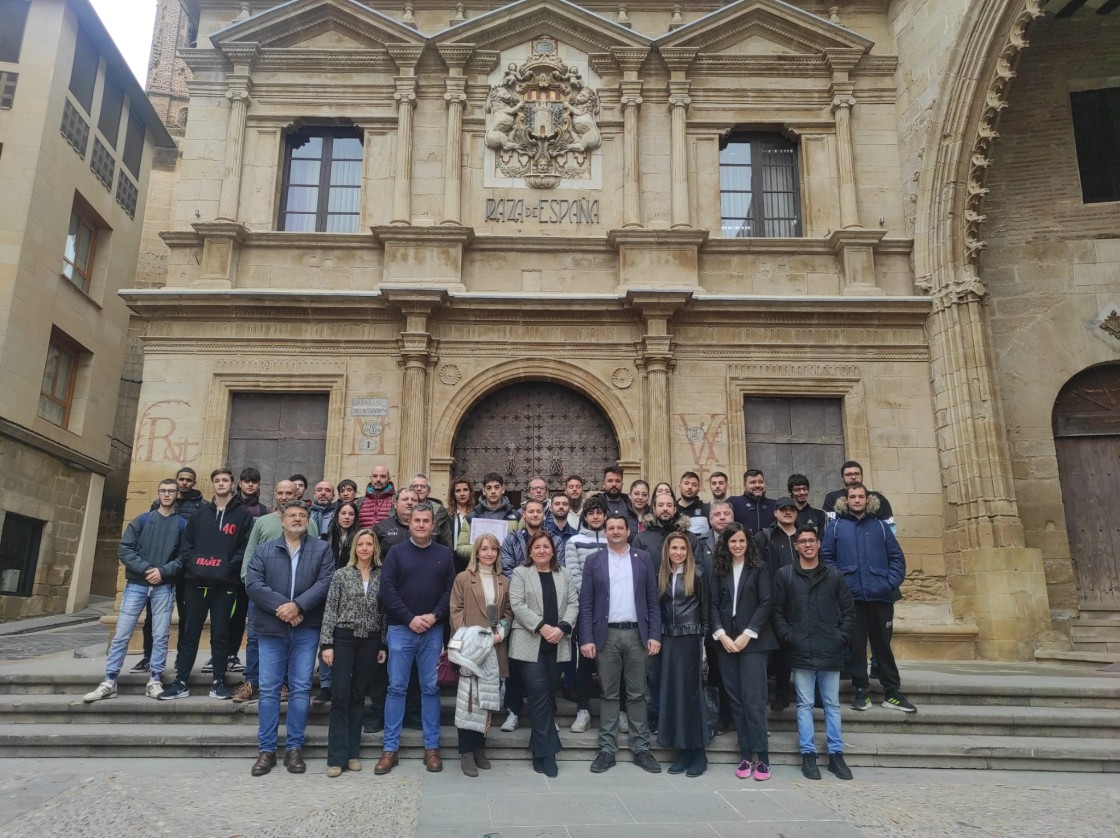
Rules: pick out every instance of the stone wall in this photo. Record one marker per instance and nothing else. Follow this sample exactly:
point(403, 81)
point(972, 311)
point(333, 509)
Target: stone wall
point(38, 486)
point(1052, 266)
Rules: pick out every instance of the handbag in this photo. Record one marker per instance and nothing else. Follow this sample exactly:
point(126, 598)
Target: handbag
point(710, 697)
point(447, 673)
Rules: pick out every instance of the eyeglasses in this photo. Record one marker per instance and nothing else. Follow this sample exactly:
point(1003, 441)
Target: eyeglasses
point(806, 542)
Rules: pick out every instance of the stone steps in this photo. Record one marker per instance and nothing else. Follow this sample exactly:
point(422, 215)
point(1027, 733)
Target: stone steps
point(933, 719)
point(1095, 658)
point(861, 749)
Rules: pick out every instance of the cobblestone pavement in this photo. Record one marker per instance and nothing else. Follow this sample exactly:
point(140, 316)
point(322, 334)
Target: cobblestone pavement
point(18, 647)
point(217, 797)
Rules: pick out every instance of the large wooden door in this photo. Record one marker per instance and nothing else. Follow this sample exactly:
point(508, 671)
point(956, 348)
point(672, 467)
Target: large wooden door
point(1087, 440)
point(281, 434)
point(535, 428)
point(795, 436)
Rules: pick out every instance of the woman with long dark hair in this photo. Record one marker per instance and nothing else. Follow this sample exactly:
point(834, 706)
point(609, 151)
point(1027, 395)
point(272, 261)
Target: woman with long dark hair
point(683, 592)
point(640, 511)
point(350, 638)
point(740, 622)
point(545, 604)
point(480, 587)
point(460, 504)
point(341, 532)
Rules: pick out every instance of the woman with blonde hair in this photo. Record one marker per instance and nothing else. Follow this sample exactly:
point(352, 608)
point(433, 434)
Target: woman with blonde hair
point(351, 642)
point(683, 592)
point(480, 597)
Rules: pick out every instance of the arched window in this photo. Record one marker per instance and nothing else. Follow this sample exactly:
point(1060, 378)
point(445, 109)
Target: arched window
point(759, 186)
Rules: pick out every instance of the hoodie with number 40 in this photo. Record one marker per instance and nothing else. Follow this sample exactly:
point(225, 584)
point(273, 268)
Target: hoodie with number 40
point(213, 545)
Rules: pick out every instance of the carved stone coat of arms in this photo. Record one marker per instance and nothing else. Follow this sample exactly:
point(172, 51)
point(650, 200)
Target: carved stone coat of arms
point(542, 120)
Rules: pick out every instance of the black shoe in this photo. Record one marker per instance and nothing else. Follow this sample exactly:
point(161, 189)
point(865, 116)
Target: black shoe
point(549, 768)
point(538, 764)
point(374, 726)
point(602, 762)
point(208, 667)
point(723, 726)
point(699, 763)
point(897, 701)
point(142, 665)
point(645, 761)
point(323, 697)
point(220, 691)
point(809, 767)
point(860, 701)
point(682, 762)
point(838, 767)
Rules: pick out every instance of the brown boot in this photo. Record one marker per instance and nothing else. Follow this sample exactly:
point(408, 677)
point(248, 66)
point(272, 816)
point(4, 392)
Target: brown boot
point(432, 761)
point(467, 762)
point(293, 761)
point(481, 760)
point(386, 763)
point(266, 761)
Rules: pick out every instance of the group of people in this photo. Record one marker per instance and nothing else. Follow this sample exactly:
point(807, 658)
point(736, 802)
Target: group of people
point(649, 588)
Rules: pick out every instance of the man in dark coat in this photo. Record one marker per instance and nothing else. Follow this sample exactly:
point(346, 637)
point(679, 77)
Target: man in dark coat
point(812, 613)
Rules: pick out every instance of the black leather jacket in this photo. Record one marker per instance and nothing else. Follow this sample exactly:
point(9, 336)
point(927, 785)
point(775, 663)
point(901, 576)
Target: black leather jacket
point(686, 615)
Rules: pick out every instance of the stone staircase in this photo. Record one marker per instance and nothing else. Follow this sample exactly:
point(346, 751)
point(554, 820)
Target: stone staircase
point(1094, 637)
point(970, 716)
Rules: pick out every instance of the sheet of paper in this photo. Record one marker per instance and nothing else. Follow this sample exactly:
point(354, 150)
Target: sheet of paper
point(498, 529)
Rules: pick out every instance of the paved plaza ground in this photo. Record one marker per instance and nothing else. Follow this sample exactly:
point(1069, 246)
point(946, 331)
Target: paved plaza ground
point(217, 797)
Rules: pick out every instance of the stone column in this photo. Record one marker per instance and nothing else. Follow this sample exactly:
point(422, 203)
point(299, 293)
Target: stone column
point(845, 160)
point(230, 196)
point(678, 156)
point(405, 98)
point(456, 98)
point(631, 154)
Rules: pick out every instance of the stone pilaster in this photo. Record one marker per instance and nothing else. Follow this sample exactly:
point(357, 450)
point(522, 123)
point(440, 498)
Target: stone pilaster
point(239, 96)
point(405, 56)
point(630, 61)
point(841, 62)
point(679, 60)
point(455, 85)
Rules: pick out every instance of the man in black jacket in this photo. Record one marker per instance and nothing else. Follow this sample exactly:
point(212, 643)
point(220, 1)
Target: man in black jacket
point(812, 613)
point(776, 545)
point(210, 556)
point(753, 509)
point(807, 515)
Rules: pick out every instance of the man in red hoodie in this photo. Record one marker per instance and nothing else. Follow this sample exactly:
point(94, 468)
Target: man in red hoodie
point(378, 501)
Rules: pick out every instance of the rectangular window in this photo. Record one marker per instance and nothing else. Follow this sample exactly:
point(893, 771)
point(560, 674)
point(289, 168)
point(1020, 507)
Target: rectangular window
point(20, 540)
point(760, 192)
point(13, 18)
point(322, 182)
point(83, 75)
point(127, 194)
point(102, 164)
point(8, 89)
point(57, 393)
point(112, 101)
point(133, 143)
point(74, 128)
point(81, 247)
point(1096, 131)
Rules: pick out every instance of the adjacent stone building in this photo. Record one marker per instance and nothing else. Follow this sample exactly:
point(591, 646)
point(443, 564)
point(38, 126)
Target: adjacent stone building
point(77, 137)
point(547, 236)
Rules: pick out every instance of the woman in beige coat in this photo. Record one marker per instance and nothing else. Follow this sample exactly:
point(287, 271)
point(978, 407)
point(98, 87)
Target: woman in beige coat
point(545, 605)
point(482, 584)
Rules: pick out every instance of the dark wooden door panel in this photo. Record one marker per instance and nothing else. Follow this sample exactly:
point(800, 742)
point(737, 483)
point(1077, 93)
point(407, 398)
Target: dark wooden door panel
point(795, 436)
point(281, 434)
point(535, 428)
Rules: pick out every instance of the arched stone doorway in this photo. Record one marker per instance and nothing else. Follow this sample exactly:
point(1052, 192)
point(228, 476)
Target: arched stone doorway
point(534, 427)
point(1086, 422)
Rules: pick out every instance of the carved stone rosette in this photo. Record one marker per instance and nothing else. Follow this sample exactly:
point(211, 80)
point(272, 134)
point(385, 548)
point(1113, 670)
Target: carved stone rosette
point(542, 121)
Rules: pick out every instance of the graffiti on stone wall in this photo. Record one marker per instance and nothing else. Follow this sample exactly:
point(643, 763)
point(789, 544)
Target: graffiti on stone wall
point(157, 434)
point(706, 434)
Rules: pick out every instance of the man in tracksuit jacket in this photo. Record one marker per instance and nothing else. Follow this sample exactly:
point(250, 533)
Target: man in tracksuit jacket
point(210, 556)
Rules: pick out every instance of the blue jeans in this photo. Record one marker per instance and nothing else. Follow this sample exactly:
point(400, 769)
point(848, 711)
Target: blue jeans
point(405, 646)
point(805, 681)
point(133, 602)
point(292, 656)
point(252, 654)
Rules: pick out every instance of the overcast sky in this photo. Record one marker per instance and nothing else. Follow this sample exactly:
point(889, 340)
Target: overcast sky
point(130, 22)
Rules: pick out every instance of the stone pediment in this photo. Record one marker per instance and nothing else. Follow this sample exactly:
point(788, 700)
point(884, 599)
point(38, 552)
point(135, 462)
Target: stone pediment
point(520, 22)
point(345, 25)
point(763, 29)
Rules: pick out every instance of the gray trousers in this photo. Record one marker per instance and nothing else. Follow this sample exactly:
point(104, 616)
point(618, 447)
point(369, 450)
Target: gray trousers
point(623, 660)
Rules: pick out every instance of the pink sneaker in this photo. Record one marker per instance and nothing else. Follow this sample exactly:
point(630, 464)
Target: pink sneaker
point(743, 772)
point(761, 771)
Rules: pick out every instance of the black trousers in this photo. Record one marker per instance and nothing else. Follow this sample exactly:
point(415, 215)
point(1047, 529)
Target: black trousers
point(218, 603)
point(541, 678)
point(470, 741)
point(354, 662)
point(715, 679)
point(873, 624)
point(779, 663)
point(237, 620)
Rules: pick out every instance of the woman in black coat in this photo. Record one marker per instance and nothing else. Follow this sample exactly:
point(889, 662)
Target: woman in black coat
point(741, 627)
point(683, 591)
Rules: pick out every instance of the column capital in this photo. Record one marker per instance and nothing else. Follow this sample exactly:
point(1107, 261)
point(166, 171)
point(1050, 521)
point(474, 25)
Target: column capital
point(241, 55)
point(678, 60)
point(405, 57)
point(679, 100)
point(405, 90)
point(239, 94)
point(843, 102)
point(631, 94)
point(456, 56)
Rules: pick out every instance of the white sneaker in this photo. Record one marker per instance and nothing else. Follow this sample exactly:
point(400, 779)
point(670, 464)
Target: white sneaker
point(582, 722)
point(510, 724)
point(106, 689)
point(153, 689)
point(623, 723)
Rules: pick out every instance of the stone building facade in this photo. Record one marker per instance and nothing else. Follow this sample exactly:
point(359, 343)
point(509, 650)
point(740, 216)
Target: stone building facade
point(440, 236)
point(77, 137)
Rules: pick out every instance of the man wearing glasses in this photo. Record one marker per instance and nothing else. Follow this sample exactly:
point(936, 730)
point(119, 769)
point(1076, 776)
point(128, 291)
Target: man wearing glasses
point(812, 614)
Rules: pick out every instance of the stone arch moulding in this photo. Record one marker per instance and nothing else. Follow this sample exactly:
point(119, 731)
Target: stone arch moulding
point(512, 372)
